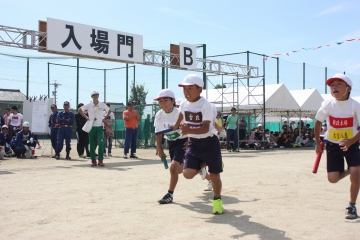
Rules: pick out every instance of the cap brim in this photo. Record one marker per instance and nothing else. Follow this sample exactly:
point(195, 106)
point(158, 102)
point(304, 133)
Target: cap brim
point(186, 84)
point(330, 80)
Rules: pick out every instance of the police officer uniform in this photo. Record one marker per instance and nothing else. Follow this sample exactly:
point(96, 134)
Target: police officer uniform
point(65, 119)
point(23, 138)
point(54, 126)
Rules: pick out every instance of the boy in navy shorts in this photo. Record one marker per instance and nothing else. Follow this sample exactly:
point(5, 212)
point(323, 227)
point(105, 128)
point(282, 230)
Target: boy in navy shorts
point(203, 145)
point(164, 119)
point(342, 115)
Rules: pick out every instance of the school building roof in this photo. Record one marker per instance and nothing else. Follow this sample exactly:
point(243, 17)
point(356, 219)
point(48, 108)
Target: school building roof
point(11, 95)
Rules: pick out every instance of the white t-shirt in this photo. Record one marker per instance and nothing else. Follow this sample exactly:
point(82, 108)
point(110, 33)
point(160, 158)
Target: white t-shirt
point(342, 118)
point(165, 120)
point(15, 119)
point(195, 113)
point(96, 112)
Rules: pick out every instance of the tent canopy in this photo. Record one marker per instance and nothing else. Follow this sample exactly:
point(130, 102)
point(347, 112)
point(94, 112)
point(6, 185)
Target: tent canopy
point(308, 99)
point(277, 97)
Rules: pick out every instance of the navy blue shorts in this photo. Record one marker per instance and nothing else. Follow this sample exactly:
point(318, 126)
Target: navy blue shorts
point(205, 150)
point(176, 150)
point(335, 157)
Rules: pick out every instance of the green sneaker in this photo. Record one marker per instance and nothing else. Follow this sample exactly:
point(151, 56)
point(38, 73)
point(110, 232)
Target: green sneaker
point(229, 150)
point(82, 156)
point(218, 206)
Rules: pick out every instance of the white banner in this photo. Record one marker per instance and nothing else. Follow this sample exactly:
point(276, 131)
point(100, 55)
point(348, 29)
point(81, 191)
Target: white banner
point(75, 38)
point(187, 56)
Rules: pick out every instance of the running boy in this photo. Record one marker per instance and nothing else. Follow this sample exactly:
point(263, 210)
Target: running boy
point(165, 118)
point(203, 145)
point(342, 115)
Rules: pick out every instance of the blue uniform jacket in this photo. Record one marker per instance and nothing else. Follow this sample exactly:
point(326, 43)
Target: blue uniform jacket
point(53, 119)
point(65, 118)
point(2, 139)
point(8, 138)
point(20, 138)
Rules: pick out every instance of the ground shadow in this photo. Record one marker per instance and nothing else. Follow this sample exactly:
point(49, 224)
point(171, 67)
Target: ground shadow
point(5, 172)
point(235, 219)
point(124, 165)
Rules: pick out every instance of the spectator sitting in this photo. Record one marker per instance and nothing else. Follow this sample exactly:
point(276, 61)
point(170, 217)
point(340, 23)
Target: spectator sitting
point(7, 138)
point(285, 127)
point(284, 141)
point(292, 126)
point(23, 141)
point(311, 138)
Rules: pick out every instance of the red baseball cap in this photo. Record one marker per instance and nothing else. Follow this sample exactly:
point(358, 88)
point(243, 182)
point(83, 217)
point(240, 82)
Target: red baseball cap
point(341, 77)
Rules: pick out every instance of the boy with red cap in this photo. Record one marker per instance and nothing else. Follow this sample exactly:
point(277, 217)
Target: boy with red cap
point(342, 115)
point(165, 118)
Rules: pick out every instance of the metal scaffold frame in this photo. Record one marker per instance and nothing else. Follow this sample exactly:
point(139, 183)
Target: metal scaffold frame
point(35, 40)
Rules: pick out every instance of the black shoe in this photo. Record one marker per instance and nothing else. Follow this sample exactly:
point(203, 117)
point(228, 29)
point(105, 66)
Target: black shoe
point(168, 198)
point(18, 155)
point(68, 157)
point(57, 157)
point(350, 212)
point(133, 156)
point(54, 156)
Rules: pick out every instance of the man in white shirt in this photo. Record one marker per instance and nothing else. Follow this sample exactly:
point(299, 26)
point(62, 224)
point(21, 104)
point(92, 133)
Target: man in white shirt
point(95, 111)
point(14, 121)
point(108, 131)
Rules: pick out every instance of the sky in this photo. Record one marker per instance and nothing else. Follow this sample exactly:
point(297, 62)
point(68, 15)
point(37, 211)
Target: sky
point(263, 27)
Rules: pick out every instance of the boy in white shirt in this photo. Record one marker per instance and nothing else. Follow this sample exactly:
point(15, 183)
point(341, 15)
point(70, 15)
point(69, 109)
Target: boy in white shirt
point(203, 145)
point(165, 118)
point(342, 115)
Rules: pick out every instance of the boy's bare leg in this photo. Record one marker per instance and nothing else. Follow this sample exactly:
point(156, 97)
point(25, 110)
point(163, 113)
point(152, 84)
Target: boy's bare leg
point(355, 183)
point(334, 177)
point(217, 184)
point(190, 173)
point(175, 170)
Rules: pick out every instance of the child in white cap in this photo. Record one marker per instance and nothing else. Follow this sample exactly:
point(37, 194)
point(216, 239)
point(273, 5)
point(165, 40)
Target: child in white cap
point(164, 119)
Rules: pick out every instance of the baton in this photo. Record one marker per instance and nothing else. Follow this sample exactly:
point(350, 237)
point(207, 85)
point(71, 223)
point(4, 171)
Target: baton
point(317, 159)
point(165, 162)
point(164, 131)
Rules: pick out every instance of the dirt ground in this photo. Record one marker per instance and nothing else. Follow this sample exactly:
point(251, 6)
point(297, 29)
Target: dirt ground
point(266, 195)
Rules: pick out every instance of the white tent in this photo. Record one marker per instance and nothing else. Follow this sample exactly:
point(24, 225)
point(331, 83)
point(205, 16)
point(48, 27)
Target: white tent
point(282, 119)
point(277, 97)
point(309, 100)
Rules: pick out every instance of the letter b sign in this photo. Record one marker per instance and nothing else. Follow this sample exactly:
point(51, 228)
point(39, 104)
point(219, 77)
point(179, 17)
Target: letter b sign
point(187, 56)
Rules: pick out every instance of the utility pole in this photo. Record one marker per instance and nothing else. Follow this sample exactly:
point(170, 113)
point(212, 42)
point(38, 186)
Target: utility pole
point(54, 93)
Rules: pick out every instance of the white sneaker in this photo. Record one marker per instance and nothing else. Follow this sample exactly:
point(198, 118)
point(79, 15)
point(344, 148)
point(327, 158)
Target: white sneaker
point(125, 155)
point(109, 155)
point(38, 147)
point(202, 173)
point(209, 186)
point(104, 155)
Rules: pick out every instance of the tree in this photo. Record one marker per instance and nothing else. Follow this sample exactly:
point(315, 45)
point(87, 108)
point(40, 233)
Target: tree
point(219, 86)
point(138, 96)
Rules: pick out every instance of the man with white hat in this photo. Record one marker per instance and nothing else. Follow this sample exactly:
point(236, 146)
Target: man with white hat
point(95, 111)
point(24, 141)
